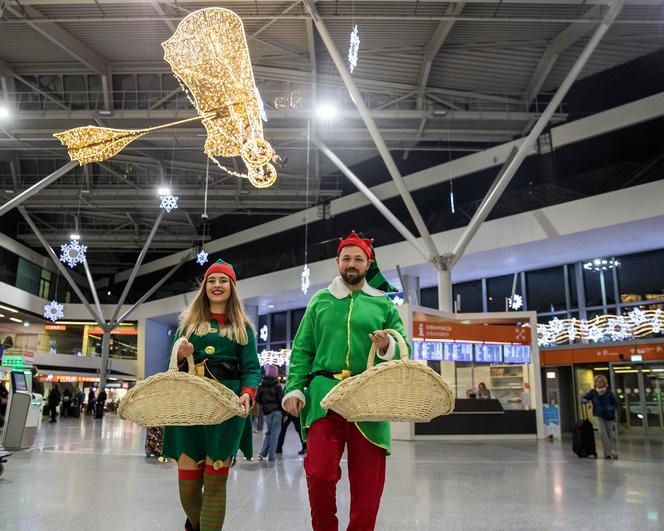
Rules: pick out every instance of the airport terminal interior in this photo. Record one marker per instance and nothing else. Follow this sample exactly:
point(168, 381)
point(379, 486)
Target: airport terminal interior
point(321, 264)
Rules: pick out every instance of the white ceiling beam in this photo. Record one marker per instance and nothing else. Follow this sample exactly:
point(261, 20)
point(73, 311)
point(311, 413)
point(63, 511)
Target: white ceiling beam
point(160, 11)
point(561, 42)
point(569, 133)
point(70, 44)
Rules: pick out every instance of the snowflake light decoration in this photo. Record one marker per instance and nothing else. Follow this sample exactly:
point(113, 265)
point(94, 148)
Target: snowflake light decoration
point(571, 330)
point(515, 302)
point(544, 335)
point(595, 333)
point(637, 316)
point(618, 329)
point(263, 333)
point(353, 49)
point(168, 202)
point(305, 277)
point(656, 322)
point(556, 326)
point(397, 300)
point(202, 257)
point(72, 253)
point(54, 311)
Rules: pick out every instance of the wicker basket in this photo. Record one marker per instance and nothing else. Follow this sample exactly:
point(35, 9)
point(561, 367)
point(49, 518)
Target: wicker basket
point(175, 398)
point(399, 390)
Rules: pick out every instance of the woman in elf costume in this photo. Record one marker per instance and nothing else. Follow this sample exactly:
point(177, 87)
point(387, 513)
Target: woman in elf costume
point(214, 329)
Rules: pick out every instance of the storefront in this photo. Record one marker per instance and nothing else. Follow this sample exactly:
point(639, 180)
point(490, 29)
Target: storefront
point(491, 363)
point(635, 372)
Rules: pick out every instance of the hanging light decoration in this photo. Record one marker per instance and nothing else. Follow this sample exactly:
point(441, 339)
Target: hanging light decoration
point(202, 257)
point(72, 253)
point(601, 264)
point(515, 302)
point(263, 333)
point(353, 48)
point(167, 200)
point(54, 311)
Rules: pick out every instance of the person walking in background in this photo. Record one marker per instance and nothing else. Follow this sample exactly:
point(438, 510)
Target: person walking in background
point(257, 417)
point(37, 386)
point(101, 402)
point(66, 403)
point(53, 401)
point(269, 396)
point(604, 405)
point(91, 402)
point(286, 420)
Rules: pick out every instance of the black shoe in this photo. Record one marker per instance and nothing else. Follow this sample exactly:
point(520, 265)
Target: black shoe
point(279, 451)
point(189, 527)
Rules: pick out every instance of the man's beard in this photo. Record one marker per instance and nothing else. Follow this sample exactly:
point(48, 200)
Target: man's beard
point(356, 277)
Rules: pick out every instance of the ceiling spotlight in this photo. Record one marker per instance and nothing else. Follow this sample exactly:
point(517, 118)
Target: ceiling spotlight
point(74, 236)
point(164, 191)
point(326, 111)
point(26, 323)
point(4, 112)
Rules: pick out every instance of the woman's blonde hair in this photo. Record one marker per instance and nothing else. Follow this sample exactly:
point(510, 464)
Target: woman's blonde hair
point(196, 318)
point(603, 379)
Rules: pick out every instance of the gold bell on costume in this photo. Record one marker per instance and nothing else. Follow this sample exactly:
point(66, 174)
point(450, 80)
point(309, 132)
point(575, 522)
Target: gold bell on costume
point(175, 398)
point(400, 390)
point(209, 56)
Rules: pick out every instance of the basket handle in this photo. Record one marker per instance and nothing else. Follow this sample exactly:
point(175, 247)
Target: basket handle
point(173, 364)
point(403, 348)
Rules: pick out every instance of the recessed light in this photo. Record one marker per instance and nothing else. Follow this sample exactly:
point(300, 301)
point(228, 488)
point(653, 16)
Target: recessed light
point(8, 308)
point(15, 320)
point(326, 111)
point(74, 236)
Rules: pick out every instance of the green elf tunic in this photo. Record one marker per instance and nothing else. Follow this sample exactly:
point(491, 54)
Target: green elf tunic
point(334, 336)
point(219, 441)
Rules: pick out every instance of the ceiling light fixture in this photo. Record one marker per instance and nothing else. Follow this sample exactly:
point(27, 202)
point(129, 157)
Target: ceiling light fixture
point(8, 308)
point(326, 111)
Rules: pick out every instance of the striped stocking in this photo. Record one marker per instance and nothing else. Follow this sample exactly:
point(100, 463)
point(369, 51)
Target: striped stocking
point(214, 498)
point(191, 495)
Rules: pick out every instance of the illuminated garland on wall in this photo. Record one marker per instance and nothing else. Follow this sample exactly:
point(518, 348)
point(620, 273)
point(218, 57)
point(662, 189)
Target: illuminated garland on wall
point(274, 357)
point(637, 323)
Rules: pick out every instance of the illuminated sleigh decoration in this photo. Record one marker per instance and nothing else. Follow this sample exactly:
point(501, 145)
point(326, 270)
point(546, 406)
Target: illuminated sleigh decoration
point(208, 55)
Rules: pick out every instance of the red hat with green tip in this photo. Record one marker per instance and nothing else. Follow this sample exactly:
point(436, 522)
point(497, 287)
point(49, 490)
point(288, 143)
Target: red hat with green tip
point(222, 267)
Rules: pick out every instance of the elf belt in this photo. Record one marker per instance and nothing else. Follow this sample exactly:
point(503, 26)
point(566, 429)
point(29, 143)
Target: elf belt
point(218, 370)
point(328, 374)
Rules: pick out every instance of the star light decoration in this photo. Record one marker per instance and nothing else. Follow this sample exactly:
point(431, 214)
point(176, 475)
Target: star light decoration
point(305, 279)
point(72, 253)
point(202, 257)
point(353, 48)
point(168, 202)
point(54, 311)
point(515, 302)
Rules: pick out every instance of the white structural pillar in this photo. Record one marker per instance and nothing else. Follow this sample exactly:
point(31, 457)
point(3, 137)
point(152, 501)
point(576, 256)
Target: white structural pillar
point(445, 290)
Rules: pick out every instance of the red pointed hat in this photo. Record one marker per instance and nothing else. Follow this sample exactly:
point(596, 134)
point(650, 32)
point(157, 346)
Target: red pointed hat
point(222, 267)
point(354, 239)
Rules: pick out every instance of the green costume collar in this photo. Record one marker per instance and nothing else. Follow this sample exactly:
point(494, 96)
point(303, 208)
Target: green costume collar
point(339, 289)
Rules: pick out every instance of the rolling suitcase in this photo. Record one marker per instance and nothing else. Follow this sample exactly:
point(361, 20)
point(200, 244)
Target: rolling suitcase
point(153, 440)
point(583, 437)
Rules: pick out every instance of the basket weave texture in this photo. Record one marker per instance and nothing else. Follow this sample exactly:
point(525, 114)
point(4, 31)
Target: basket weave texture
point(175, 398)
point(399, 390)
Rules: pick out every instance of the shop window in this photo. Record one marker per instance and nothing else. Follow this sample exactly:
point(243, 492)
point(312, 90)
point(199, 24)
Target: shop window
point(546, 289)
point(296, 319)
point(28, 276)
point(45, 284)
point(469, 295)
point(429, 297)
point(571, 279)
point(595, 294)
point(639, 278)
point(498, 290)
point(278, 328)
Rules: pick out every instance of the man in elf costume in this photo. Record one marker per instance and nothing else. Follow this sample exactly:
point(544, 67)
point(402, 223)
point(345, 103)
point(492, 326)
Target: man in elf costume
point(332, 343)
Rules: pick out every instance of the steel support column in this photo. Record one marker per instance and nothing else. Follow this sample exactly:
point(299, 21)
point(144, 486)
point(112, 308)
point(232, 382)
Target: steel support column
point(37, 187)
point(515, 162)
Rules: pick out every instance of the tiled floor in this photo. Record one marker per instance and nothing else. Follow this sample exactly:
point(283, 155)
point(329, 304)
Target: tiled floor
point(92, 475)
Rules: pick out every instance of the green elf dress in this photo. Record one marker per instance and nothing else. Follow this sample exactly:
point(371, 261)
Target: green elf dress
point(219, 441)
point(333, 337)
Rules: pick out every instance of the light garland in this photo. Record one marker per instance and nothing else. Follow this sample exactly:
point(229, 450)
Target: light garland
point(637, 323)
point(72, 253)
point(353, 49)
point(54, 311)
point(601, 264)
point(274, 357)
point(305, 279)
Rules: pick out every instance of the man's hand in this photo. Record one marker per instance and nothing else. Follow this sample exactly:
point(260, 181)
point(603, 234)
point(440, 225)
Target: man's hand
point(381, 339)
point(293, 406)
point(245, 402)
point(185, 350)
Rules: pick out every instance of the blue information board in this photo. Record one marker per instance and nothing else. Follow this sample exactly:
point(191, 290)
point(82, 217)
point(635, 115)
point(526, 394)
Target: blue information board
point(458, 352)
point(487, 353)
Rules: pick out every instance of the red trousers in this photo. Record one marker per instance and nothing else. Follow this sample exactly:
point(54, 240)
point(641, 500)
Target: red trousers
point(366, 472)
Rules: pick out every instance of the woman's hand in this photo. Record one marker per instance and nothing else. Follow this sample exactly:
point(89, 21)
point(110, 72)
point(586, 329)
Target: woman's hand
point(245, 402)
point(185, 350)
point(381, 339)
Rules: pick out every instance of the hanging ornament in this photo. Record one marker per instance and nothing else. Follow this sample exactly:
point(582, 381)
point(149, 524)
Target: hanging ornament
point(397, 300)
point(72, 253)
point(263, 333)
point(515, 302)
point(353, 49)
point(202, 257)
point(54, 311)
point(168, 202)
point(305, 277)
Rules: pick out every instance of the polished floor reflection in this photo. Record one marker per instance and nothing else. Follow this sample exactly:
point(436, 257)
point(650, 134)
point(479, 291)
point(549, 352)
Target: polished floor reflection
point(92, 475)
